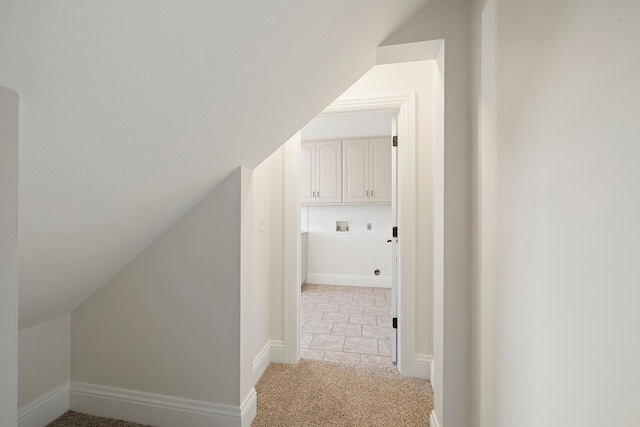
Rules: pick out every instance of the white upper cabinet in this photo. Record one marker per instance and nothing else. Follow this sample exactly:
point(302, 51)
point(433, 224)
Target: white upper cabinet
point(347, 171)
point(380, 176)
point(355, 171)
point(307, 172)
point(321, 172)
point(366, 170)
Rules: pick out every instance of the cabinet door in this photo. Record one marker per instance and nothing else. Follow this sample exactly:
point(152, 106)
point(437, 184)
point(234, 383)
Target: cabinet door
point(380, 170)
point(355, 171)
point(307, 172)
point(329, 172)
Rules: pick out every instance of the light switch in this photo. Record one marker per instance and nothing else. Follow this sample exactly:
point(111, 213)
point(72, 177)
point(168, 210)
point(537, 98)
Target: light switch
point(261, 223)
point(368, 226)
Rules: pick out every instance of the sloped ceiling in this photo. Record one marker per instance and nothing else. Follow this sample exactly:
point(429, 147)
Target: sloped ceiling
point(131, 111)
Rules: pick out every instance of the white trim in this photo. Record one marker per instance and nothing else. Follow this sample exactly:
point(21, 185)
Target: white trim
point(433, 419)
point(249, 408)
point(261, 362)
point(432, 375)
point(422, 367)
point(402, 103)
point(45, 408)
point(349, 280)
point(408, 52)
point(271, 352)
point(158, 410)
point(277, 351)
point(291, 350)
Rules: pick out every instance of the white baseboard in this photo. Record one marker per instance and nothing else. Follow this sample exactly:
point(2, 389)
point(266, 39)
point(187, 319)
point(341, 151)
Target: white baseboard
point(46, 408)
point(277, 351)
point(249, 408)
point(433, 420)
point(159, 410)
point(423, 366)
point(348, 280)
point(432, 377)
point(261, 362)
point(273, 351)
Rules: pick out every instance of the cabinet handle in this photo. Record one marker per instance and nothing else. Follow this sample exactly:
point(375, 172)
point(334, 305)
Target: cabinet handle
point(318, 194)
point(371, 193)
point(367, 193)
point(314, 194)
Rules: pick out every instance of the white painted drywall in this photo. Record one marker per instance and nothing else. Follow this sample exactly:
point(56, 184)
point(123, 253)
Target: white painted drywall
point(263, 258)
point(262, 252)
point(9, 101)
point(357, 253)
point(304, 218)
point(169, 322)
point(345, 126)
point(556, 106)
point(449, 20)
point(417, 77)
point(44, 358)
point(277, 245)
point(137, 110)
point(251, 314)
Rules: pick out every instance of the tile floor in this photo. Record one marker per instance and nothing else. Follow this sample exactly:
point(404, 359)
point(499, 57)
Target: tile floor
point(346, 324)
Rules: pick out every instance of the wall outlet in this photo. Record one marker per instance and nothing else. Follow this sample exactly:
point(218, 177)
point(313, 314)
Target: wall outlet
point(369, 226)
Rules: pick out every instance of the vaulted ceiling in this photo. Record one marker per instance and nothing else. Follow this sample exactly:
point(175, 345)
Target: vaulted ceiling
point(131, 111)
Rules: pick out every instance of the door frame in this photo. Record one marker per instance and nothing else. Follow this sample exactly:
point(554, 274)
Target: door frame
point(402, 104)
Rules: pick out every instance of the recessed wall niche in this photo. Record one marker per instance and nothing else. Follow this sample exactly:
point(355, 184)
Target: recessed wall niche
point(343, 226)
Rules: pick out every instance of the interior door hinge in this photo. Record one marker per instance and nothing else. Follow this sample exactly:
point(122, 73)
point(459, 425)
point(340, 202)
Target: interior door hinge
point(394, 232)
point(395, 141)
point(395, 323)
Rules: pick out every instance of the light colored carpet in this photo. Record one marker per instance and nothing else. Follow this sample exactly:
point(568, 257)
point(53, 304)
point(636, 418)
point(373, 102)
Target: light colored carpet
point(314, 393)
point(75, 419)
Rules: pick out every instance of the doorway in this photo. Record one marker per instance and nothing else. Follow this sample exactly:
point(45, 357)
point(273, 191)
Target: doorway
point(347, 305)
point(402, 105)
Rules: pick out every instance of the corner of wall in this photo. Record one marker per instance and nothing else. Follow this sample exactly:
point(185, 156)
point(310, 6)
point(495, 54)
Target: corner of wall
point(9, 104)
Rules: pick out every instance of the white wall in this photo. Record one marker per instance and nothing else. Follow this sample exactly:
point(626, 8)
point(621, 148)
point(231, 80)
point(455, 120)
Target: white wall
point(107, 156)
point(9, 256)
point(277, 245)
point(250, 308)
point(44, 358)
point(557, 136)
point(169, 322)
point(345, 126)
point(260, 188)
point(414, 76)
point(449, 20)
point(357, 253)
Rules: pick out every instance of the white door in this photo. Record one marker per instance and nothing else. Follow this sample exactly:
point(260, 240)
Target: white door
point(329, 172)
point(307, 172)
point(380, 181)
point(355, 171)
point(394, 242)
